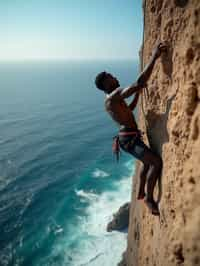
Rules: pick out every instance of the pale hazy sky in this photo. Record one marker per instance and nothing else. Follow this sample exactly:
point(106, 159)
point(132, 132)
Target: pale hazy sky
point(51, 29)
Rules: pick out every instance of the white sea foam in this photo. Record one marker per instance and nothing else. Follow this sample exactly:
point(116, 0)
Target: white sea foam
point(87, 195)
point(101, 247)
point(95, 246)
point(58, 231)
point(55, 228)
point(89, 244)
point(98, 173)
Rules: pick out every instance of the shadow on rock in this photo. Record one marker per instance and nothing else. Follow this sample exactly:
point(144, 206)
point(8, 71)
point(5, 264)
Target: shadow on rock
point(181, 3)
point(158, 137)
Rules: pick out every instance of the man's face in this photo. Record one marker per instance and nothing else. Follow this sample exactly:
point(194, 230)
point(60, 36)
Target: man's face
point(111, 82)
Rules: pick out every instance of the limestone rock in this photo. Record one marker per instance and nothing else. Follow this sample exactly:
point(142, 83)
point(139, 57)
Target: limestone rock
point(174, 133)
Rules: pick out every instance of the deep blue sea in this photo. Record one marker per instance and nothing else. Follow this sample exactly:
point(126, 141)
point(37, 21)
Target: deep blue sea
point(59, 182)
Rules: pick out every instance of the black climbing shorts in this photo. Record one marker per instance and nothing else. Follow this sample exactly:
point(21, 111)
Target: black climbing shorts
point(134, 145)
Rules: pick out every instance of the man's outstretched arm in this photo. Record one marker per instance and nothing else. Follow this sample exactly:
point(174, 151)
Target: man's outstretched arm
point(146, 73)
point(134, 102)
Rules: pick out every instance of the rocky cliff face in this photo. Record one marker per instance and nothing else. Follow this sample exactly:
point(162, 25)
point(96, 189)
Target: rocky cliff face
point(172, 110)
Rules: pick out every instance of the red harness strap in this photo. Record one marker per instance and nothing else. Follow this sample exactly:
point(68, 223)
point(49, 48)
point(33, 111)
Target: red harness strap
point(116, 146)
point(124, 133)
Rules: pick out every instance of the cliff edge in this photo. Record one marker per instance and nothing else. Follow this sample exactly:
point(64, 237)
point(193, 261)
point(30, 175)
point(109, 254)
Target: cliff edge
point(171, 110)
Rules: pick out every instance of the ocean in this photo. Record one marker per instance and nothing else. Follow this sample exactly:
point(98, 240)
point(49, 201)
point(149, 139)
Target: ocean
point(59, 181)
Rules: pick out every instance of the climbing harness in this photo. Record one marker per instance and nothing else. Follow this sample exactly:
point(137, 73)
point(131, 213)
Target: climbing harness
point(116, 144)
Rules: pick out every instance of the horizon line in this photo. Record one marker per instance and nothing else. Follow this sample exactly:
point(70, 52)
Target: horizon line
point(18, 60)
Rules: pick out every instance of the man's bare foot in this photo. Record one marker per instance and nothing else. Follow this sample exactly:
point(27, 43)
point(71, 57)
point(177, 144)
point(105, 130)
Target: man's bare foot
point(141, 195)
point(152, 206)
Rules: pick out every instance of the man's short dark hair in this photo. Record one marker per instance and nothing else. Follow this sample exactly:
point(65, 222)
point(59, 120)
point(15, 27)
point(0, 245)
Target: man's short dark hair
point(99, 80)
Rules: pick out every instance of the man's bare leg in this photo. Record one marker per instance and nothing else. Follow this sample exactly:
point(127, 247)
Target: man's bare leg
point(143, 175)
point(153, 174)
point(153, 163)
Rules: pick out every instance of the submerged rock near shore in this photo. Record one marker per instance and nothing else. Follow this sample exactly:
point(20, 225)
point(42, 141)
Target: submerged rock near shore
point(120, 218)
point(123, 262)
point(171, 108)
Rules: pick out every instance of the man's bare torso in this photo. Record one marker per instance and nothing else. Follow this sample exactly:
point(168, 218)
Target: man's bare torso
point(119, 111)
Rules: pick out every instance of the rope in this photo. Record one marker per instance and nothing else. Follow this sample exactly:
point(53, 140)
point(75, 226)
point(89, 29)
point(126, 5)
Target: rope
point(144, 92)
point(144, 23)
point(143, 111)
point(144, 99)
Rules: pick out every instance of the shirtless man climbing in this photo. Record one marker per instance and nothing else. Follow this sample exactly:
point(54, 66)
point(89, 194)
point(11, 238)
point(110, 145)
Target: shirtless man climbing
point(129, 136)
